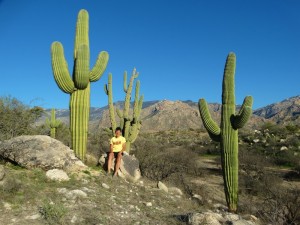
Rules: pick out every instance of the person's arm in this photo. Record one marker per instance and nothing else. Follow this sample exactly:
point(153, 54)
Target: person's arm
point(124, 147)
point(111, 146)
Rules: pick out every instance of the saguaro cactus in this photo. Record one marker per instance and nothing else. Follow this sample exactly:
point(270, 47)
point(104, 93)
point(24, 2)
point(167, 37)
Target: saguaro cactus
point(227, 133)
point(130, 125)
point(53, 123)
point(79, 85)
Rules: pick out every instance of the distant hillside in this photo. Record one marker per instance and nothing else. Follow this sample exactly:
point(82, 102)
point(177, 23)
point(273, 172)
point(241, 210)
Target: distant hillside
point(182, 115)
point(283, 112)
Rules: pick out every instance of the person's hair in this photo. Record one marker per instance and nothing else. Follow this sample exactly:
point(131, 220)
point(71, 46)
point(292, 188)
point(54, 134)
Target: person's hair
point(118, 128)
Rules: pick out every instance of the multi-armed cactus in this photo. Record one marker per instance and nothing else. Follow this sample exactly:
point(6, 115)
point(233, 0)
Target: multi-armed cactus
point(53, 123)
point(78, 86)
point(130, 125)
point(227, 133)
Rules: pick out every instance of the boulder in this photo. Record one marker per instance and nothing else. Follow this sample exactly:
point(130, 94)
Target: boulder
point(216, 218)
point(57, 175)
point(2, 172)
point(40, 151)
point(162, 186)
point(129, 168)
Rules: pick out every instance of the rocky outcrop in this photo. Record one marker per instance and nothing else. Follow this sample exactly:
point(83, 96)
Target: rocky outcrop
point(39, 151)
point(129, 168)
point(214, 218)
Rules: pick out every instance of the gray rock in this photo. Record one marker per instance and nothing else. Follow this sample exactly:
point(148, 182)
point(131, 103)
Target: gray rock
point(162, 186)
point(2, 172)
point(129, 168)
point(205, 218)
point(214, 218)
point(105, 186)
point(74, 194)
point(57, 175)
point(40, 151)
point(175, 190)
point(33, 217)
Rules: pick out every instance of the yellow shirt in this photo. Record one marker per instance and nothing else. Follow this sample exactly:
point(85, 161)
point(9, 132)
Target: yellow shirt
point(117, 143)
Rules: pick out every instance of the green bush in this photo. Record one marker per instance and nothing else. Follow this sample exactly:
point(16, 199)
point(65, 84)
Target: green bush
point(16, 118)
point(52, 213)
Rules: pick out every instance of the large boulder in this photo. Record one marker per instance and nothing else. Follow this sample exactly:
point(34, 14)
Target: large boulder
point(40, 151)
point(217, 218)
point(129, 168)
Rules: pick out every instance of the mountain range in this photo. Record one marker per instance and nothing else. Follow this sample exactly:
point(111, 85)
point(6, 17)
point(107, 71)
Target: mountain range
point(163, 115)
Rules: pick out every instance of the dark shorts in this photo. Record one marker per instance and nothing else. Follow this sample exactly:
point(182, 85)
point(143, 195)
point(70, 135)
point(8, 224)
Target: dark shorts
point(116, 154)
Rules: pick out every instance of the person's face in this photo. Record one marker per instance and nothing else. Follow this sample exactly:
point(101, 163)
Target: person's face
point(118, 133)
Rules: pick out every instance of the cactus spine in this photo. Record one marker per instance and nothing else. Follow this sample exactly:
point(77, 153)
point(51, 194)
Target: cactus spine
point(130, 125)
point(79, 85)
point(53, 123)
point(227, 133)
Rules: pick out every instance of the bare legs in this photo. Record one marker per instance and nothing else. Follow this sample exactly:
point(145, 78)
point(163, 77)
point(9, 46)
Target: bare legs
point(117, 163)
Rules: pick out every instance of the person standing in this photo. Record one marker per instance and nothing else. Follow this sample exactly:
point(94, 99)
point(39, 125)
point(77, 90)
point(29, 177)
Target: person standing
point(117, 147)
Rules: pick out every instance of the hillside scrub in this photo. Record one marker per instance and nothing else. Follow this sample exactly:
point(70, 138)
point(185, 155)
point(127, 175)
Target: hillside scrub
point(16, 118)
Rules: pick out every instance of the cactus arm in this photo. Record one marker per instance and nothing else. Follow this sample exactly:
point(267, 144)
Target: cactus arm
point(99, 67)
point(81, 75)
point(140, 106)
point(111, 104)
point(82, 31)
point(125, 82)
point(119, 113)
point(211, 126)
point(136, 101)
point(244, 114)
point(106, 89)
point(60, 68)
point(128, 96)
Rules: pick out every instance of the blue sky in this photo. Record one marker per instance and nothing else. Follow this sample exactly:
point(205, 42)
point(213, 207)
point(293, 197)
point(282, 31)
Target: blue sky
point(179, 47)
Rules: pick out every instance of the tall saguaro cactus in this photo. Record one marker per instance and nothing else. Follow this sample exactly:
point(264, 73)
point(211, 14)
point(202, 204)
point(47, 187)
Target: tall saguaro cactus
point(78, 86)
point(227, 133)
point(130, 125)
point(53, 123)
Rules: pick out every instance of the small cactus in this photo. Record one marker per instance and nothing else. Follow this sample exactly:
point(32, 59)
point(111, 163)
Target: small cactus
point(227, 133)
point(53, 123)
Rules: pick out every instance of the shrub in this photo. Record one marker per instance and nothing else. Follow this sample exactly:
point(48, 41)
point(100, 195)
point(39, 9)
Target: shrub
point(52, 213)
point(16, 118)
point(158, 162)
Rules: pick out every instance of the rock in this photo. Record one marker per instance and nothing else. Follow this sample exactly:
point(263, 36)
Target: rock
point(2, 172)
point(7, 206)
point(197, 197)
point(74, 194)
point(40, 151)
point(105, 186)
point(129, 168)
point(175, 190)
point(232, 217)
point(162, 186)
point(57, 175)
point(214, 218)
point(149, 204)
point(283, 148)
point(62, 190)
point(205, 218)
point(33, 217)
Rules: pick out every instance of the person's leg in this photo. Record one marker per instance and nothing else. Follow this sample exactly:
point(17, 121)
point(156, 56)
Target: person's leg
point(118, 163)
point(109, 163)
